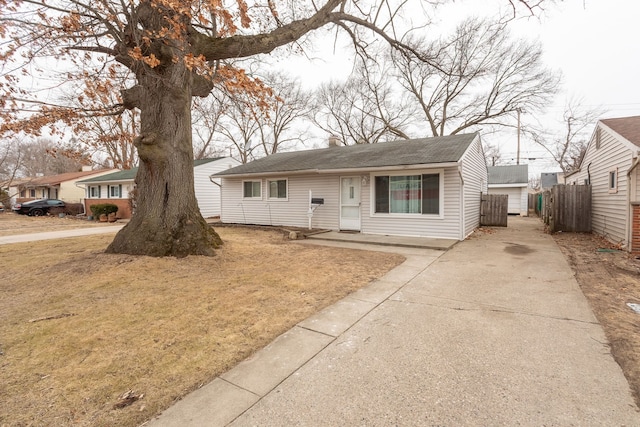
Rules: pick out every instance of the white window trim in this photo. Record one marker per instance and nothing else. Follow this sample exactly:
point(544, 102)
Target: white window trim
point(614, 189)
point(252, 198)
point(372, 195)
point(277, 199)
point(109, 196)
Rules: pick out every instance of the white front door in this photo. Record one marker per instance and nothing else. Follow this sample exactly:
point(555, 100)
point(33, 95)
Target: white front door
point(350, 203)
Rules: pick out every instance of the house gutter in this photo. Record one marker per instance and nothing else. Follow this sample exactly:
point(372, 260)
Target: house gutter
point(462, 223)
point(84, 187)
point(211, 178)
point(343, 170)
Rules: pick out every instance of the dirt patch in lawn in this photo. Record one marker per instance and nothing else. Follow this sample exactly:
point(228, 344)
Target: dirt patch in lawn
point(90, 339)
point(609, 279)
point(12, 223)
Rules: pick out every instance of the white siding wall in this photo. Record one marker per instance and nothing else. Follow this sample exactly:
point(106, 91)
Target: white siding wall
point(474, 174)
point(291, 212)
point(127, 187)
point(609, 210)
point(208, 193)
point(448, 226)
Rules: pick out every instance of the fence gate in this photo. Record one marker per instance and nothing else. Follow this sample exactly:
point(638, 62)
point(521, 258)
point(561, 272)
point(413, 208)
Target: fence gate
point(494, 209)
point(567, 208)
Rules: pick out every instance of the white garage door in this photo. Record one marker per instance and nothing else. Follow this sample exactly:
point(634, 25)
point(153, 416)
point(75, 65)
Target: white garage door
point(514, 198)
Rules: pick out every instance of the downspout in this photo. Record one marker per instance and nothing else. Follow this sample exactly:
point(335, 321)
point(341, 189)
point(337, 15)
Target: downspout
point(220, 186)
point(84, 211)
point(462, 216)
point(634, 165)
point(211, 179)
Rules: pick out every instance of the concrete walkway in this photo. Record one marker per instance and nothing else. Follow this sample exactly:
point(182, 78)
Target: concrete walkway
point(494, 331)
point(60, 234)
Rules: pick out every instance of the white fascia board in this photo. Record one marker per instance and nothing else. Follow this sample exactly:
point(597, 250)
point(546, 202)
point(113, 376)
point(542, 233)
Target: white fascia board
point(339, 171)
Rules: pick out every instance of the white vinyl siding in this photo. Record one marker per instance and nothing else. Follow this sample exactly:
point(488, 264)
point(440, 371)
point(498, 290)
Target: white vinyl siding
point(609, 208)
point(208, 193)
point(292, 212)
point(447, 225)
point(474, 175)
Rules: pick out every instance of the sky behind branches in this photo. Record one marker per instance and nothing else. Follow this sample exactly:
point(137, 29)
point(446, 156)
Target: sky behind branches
point(594, 43)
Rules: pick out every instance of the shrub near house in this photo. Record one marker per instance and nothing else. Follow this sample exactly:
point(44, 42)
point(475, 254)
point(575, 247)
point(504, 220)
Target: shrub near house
point(103, 209)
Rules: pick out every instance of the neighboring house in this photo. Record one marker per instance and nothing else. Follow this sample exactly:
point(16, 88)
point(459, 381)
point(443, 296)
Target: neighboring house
point(610, 165)
point(117, 187)
point(429, 187)
point(513, 181)
point(63, 186)
point(12, 188)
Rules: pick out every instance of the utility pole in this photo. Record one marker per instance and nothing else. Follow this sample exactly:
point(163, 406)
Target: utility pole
point(518, 156)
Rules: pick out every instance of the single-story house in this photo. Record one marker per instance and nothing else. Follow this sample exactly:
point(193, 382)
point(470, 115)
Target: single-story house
point(428, 187)
point(62, 186)
point(610, 166)
point(513, 181)
point(117, 187)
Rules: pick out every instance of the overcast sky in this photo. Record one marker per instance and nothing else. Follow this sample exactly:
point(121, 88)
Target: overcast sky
point(594, 43)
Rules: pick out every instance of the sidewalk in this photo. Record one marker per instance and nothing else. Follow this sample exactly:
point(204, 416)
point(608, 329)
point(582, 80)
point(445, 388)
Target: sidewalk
point(493, 332)
point(61, 234)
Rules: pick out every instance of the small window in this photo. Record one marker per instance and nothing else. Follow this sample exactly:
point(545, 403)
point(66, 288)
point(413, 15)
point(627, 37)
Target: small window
point(277, 189)
point(32, 193)
point(613, 181)
point(114, 191)
point(252, 189)
point(94, 192)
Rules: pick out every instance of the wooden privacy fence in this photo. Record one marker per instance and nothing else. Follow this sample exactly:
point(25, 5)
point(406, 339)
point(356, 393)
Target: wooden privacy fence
point(494, 209)
point(567, 208)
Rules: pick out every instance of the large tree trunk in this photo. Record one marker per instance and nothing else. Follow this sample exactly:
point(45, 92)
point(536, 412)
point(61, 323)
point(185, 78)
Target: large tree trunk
point(167, 220)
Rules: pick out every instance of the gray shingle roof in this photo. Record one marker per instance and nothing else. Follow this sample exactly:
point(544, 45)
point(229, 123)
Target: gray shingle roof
point(125, 175)
point(435, 150)
point(513, 174)
point(130, 174)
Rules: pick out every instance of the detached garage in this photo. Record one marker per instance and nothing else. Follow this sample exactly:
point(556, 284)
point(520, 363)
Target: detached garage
point(513, 181)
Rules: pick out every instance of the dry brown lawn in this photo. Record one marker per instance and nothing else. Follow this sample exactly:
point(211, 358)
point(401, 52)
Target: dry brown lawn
point(79, 328)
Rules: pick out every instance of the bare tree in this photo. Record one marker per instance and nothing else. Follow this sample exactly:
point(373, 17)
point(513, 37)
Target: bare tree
point(568, 148)
point(363, 110)
point(207, 114)
point(492, 154)
point(173, 51)
point(480, 77)
point(276, 125)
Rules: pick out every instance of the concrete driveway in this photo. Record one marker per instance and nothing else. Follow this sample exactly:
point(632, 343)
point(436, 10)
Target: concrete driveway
point(493, 332)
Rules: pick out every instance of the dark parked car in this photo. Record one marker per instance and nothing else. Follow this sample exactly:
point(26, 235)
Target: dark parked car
point(37, 207)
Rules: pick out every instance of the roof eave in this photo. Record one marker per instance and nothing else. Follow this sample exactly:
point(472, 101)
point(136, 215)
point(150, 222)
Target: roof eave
point(339, 170)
